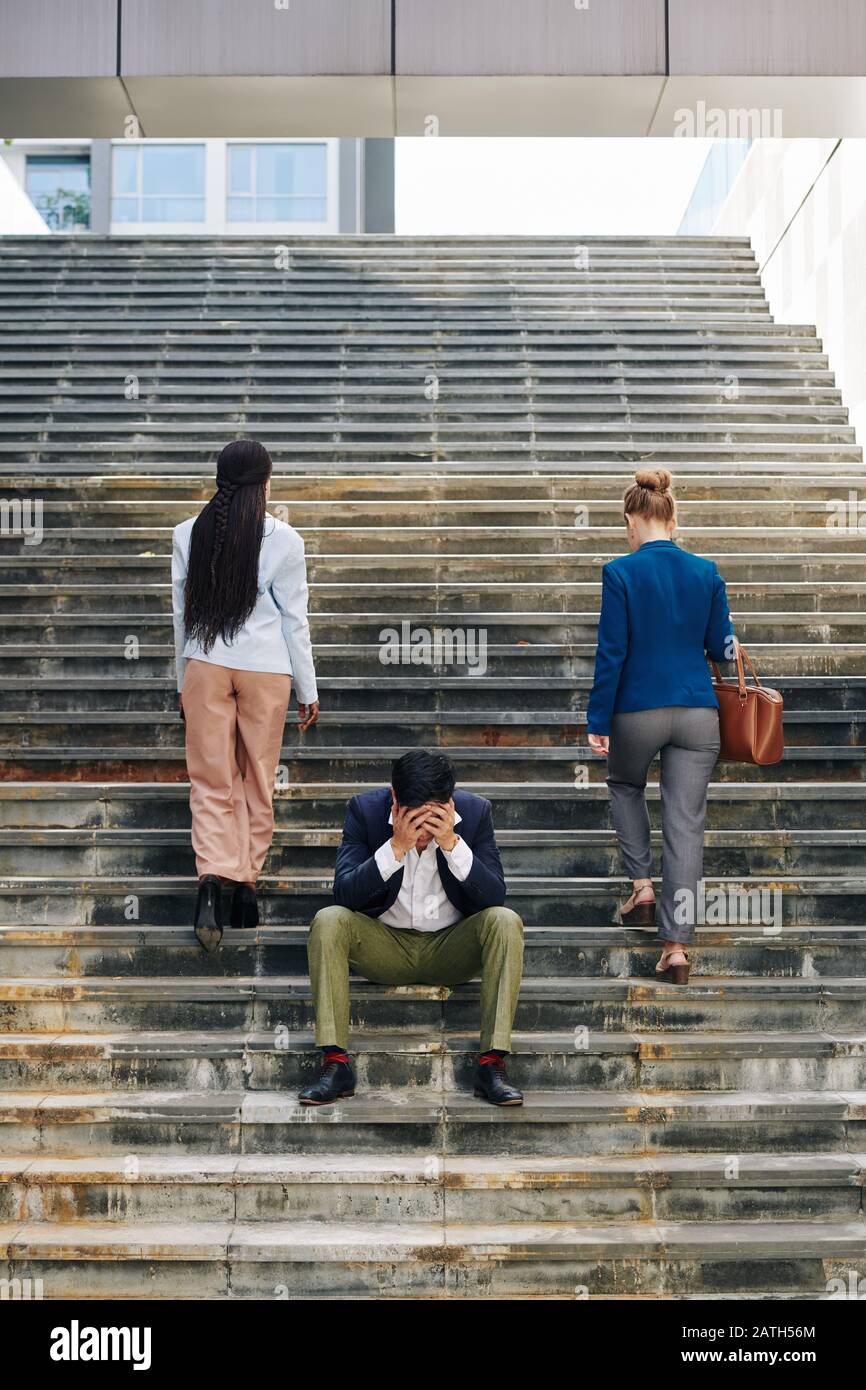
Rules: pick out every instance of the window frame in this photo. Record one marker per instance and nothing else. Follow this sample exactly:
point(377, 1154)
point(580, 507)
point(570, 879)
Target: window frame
point(254, 146)
point(158, 225)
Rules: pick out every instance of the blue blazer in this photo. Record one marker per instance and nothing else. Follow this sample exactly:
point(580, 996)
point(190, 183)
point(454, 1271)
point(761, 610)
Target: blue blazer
point(662, 609)
point(358, 883)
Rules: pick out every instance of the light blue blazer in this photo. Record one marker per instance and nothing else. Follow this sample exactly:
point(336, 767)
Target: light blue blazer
point(276, 635)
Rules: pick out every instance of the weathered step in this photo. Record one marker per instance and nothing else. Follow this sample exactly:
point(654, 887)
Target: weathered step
point(389, 487)
point(53, 1004)
point(541, 805)
point(315, 762)
point(435, 700)
point(552, 1122)
point(569, 544)
point(237, 1060)
point(397, 1259)
point(379, 572)
point(116, 464)
point(89, 851)
point(434, 449)
point(38, 730)
point(767, 901)
point(741, 948)
point(78, 601)
point(425, 630)
point(839, 510)
point(400, 1188)
point(698, 419)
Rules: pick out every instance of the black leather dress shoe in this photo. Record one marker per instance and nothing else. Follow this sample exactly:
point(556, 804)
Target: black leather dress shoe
point(336, 1081)
point(245, 906)
point(208, 920)
point(491, 1083)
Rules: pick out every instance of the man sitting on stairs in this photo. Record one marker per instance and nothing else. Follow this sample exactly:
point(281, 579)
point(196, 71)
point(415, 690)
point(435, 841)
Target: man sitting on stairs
point(419, 893)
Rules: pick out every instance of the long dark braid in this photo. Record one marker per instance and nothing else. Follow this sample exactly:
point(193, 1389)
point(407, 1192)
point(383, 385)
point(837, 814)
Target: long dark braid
point(223, 571)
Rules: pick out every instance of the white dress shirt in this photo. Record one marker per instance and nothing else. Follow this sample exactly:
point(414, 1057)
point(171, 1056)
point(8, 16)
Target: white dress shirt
point(422, 903)
point(276, 635)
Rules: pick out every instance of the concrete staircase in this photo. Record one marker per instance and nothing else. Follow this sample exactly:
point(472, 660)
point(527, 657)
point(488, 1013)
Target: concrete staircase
point(453, 422)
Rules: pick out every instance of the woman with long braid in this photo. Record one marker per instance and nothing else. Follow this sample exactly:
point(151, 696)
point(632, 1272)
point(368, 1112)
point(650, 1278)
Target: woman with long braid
point(241, 636)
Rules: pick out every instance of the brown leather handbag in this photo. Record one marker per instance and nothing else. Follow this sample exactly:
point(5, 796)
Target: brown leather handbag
point(750, 717)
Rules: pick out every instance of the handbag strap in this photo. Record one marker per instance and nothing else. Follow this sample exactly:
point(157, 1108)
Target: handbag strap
point(739, 653)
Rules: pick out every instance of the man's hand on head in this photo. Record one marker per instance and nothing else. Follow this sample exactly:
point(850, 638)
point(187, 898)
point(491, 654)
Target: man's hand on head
point(407, 825)
point(439, 821)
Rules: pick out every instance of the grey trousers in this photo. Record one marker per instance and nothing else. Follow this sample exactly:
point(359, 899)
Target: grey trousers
point(688, 741)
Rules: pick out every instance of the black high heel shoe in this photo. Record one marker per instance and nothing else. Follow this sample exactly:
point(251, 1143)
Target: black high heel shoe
point(208, 921)
point(245, 906)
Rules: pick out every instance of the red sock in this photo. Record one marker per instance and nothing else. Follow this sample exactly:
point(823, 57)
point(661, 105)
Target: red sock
point(335, 1054)
point(493, 1055)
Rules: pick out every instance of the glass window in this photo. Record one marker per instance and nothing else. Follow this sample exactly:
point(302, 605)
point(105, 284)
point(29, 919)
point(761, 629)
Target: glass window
point(59, 188)
point(125, 169)
point(158, 183)
point(277, 183)
point(240, 169)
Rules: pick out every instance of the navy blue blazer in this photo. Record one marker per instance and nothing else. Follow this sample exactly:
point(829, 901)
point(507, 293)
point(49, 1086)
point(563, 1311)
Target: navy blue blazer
point(662, 610)
point(359, 885)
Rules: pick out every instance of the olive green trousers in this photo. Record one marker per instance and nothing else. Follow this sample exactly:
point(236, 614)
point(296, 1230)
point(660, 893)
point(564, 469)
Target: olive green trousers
point(489, 942)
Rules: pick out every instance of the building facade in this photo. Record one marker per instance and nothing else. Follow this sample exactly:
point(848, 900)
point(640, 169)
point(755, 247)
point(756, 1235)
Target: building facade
point(803, 204)
point(254, 187)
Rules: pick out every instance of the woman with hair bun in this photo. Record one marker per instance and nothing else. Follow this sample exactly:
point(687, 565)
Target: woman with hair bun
point(662, 611)
point(241, 636)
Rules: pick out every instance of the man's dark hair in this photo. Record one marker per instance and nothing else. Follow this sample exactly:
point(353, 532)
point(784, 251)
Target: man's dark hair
point(420, 776)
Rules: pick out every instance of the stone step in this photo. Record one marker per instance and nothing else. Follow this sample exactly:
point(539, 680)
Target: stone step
point(360, 297)
point(310, 762)
point(550, 805)
point(565, 632)
point(794, 393)
point(721, 349)
point(782, 353)
point(730, 1004)
point(497, 601)
point(333, 1187)
point(725, 378)
point(40, 732)
point(541, 899)
point(735, 948)
point(89, 852)
point(839, 514)
point(465, 652)
point(486, 547)
point(497, 423)
point(105, 470)
point(234, 248)
point(341, 1259)
point(407, 325)
point(393, 487)
point(477, 572)
point(600, 1122)
point(117, 272)
point(500, 419)
point(425, 452)
point(422, 700)
point(412, 1063)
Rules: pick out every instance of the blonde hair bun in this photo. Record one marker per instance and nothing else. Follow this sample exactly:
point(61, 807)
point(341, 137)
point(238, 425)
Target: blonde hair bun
point(656, 479)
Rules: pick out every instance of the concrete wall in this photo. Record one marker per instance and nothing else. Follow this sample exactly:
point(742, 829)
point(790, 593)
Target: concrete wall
point(803, 203)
